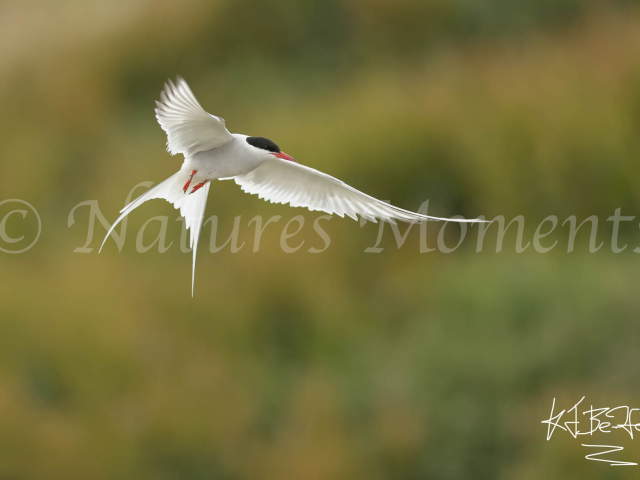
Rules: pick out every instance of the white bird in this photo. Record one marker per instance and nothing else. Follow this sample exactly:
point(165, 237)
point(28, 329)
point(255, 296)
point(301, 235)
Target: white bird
point(255, 163)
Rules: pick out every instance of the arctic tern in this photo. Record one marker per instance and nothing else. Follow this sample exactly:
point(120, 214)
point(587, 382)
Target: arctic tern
point(255, 163)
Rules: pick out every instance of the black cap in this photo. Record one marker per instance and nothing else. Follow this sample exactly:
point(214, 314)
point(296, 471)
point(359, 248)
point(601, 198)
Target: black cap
point(264, 144)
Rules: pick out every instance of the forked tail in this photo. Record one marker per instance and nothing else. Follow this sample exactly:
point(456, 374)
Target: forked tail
point(191, 207)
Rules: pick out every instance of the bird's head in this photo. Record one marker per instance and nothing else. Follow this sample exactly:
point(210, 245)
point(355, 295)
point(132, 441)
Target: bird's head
point(267, 147)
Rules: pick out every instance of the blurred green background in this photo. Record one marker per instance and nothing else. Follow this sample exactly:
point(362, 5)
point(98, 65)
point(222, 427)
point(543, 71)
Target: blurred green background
point(340, 365)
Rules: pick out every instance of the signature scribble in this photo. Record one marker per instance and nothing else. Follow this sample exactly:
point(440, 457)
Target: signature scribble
point(603, 420)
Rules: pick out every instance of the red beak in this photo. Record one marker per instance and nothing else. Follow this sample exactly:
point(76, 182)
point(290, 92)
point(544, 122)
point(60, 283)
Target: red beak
point(284, 156)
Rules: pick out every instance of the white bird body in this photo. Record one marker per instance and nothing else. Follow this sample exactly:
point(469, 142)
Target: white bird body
point(229, 160)
point(255, 163)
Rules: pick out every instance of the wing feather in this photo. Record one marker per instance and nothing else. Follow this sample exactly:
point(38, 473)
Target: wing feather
point(282, 181)
point(190, 129)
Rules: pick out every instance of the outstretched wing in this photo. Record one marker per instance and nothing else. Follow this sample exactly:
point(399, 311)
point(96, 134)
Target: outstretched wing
point(281, 181)
point(189, 128)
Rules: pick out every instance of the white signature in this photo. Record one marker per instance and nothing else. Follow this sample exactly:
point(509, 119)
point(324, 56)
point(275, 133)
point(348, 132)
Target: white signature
point(603, 420)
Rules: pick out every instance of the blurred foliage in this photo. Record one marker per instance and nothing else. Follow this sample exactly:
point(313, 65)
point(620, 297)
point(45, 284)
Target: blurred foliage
point(397, 365)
